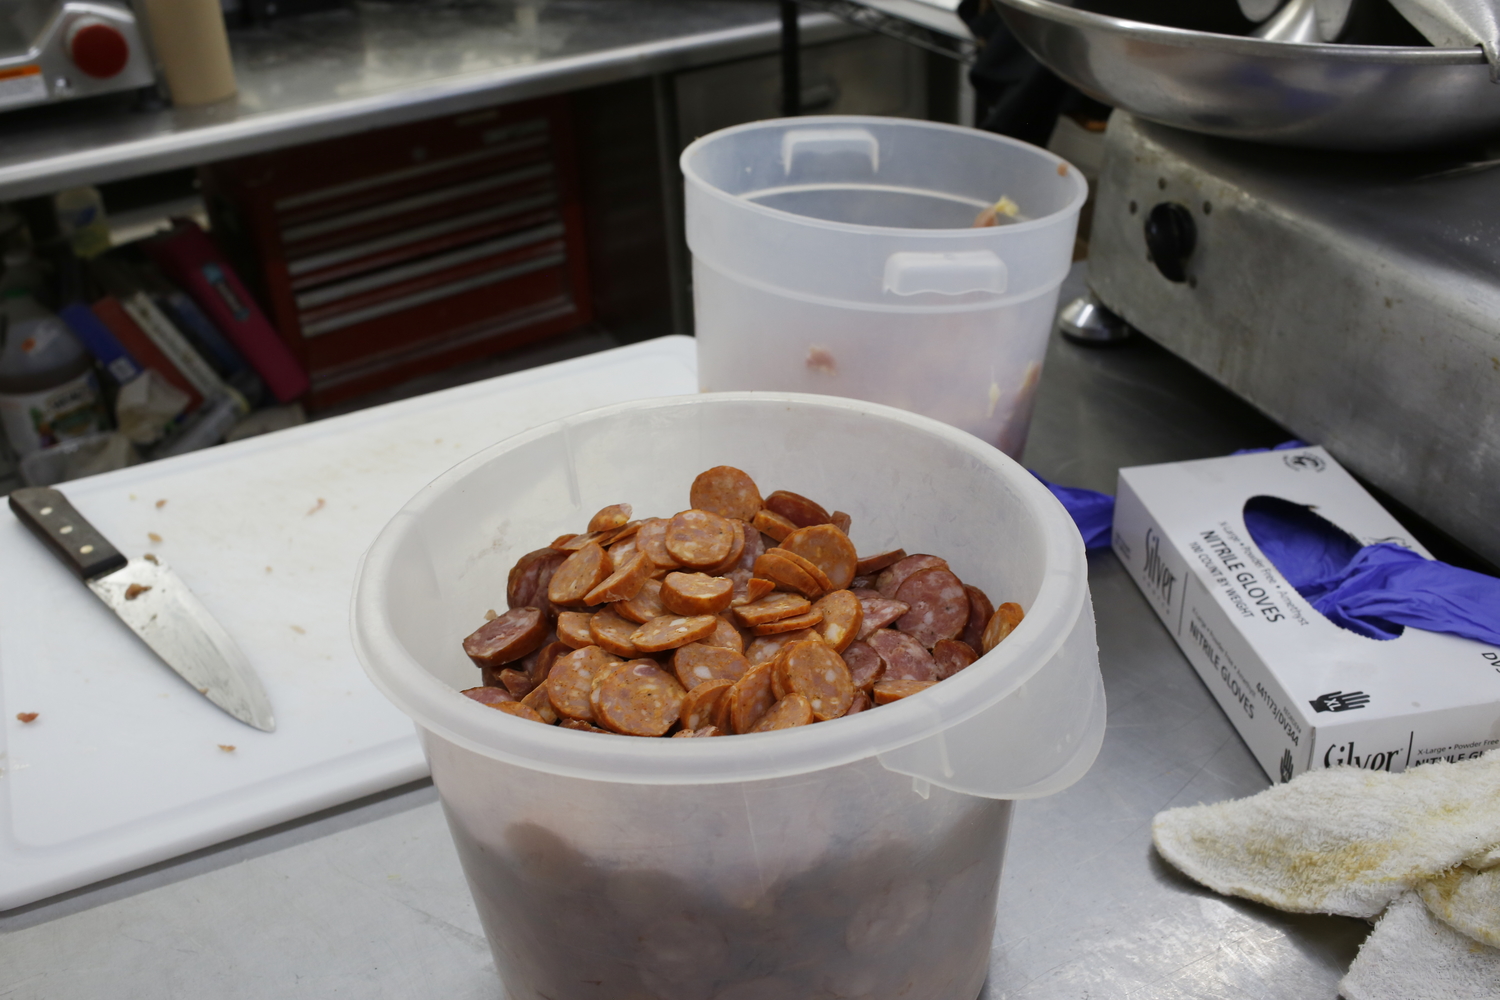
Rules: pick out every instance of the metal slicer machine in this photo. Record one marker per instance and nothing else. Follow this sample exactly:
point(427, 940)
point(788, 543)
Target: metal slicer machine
point(56, 50)
point(1316, 226)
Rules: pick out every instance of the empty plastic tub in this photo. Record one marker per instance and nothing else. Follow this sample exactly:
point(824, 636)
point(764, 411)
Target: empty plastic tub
point(835, 255)
point(854, 858)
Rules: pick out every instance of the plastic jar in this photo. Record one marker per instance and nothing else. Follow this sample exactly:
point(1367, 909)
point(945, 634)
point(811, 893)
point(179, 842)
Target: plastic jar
point(48, 392)
point(835, 255)
point(859, 857)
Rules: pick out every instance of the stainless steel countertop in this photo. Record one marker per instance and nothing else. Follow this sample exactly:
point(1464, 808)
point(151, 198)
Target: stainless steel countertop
point(368, 900)
point(385, 63)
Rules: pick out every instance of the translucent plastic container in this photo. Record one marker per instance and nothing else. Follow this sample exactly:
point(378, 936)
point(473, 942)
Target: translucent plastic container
point(853, 858)
point(835, 255)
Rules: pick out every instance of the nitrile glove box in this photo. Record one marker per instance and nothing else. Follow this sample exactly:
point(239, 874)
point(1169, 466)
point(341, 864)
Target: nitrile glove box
point(1303, 692)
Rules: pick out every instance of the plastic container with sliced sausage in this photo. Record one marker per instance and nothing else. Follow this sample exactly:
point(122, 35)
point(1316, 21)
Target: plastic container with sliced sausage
point(838, 255)
point(858, 857)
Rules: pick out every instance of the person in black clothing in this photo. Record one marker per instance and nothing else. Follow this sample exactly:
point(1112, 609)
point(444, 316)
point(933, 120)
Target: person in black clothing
point(1016, 95)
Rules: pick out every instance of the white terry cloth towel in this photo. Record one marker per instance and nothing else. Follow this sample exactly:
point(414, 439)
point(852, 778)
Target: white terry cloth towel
point(1353, 842)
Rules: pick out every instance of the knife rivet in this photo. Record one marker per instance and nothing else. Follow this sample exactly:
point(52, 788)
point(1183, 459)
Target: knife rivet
point(86, 549)
point(46, 511)
point(66, 529)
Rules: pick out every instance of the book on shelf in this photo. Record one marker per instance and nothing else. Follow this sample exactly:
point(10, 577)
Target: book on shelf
point(189, 258)
point(118, 363)
point(128, 281)
point(112, 313)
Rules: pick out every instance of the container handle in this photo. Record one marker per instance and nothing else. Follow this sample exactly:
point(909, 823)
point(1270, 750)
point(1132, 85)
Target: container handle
point(829, 141)
point(1035, 741)
point(956, 273)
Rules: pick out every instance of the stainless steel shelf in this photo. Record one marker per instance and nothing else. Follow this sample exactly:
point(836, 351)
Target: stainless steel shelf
point(385, 63)
point(926, 25)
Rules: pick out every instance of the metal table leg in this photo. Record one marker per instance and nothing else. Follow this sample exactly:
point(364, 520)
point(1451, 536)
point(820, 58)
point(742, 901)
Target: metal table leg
point(791, 60)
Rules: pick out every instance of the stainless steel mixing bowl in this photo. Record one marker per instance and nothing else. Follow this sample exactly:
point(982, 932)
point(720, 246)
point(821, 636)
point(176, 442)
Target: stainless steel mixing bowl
point(1318, 96)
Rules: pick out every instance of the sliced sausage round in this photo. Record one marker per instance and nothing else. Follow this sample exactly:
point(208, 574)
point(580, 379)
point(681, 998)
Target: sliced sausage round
point(905, 659)
point(870, 565)
point(795, 623)
point(573, 628)
point(939, 606)
point(818, 673)
point(764, 649)
point(736, 549)
point(623, 584)
point(749, 699)
point(894, 690)
point(699, 539)
point(827, 548)
point(980, 610)
point(951, 656)
point(539, 664)
point(792, 711)
point(616, 515)
point(790, 572)
point(701, 704)
point(671, 631)
point(696, 593)
point(540, 703)
point(726, 491)
point(520, 711)
point(580, 573)
point(490, 696)
point(527, 584)
point(892, 577)
point(772, 524)
point(843, 615)
point(796, 508)
point(865, 665)
point(517, 682)
point(725, 636)
point(753, 590)
point(507, 638)
point(651, 539)
point(696, 664)
point(1001, 624)
point(572, 681)
point(645, 605)
point(879, 612)
point(638, 699)
point(612, 633)
point(772, 608)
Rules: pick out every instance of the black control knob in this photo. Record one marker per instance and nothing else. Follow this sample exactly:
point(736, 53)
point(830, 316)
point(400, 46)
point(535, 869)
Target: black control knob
point(1171, 236)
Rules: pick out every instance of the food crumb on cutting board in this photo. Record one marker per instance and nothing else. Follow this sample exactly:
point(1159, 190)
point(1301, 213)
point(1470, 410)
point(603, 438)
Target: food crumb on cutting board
point(160, 504)
point(154, 537)
point(227, 747)
point(318, 506)
point(490, 615)
point(28, 716)
point(299, 630)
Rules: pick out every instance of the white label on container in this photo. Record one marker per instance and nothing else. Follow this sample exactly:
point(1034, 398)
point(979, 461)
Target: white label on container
point(22, 85)
point(37, 420)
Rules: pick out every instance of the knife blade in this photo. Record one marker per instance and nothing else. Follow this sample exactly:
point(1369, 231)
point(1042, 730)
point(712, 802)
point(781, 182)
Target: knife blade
point(157, 606)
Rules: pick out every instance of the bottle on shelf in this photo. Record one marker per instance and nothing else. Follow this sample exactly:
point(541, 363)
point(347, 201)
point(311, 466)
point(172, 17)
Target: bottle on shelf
point(48, 391)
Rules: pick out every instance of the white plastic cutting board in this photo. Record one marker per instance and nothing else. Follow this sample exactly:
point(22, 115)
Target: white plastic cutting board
point(123, 766)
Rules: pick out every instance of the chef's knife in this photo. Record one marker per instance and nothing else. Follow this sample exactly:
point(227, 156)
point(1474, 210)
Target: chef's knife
point(157, 606)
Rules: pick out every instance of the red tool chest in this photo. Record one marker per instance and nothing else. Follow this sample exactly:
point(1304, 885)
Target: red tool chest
point(389, 254)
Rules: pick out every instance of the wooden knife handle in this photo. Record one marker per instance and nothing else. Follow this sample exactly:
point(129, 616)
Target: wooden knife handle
point(56, 522)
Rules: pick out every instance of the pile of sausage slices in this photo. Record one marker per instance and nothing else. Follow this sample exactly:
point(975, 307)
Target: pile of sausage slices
point(740, 615)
